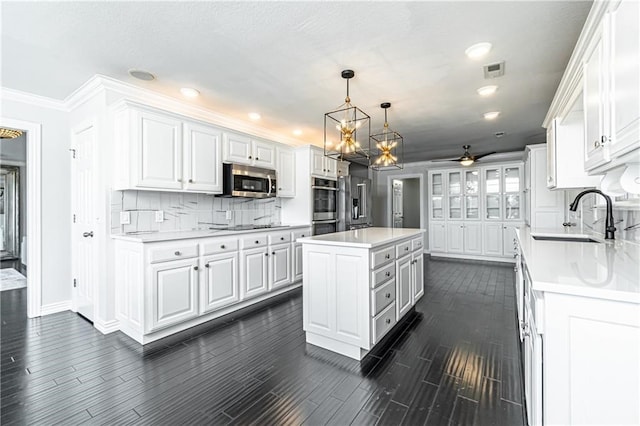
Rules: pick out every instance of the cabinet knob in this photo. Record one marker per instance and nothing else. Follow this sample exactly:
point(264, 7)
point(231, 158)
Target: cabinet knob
point(178, 253)
point(273, 253)
point(596, 144)
point(195, 268)
point(257, 158)
point(603, 140)
point(180, 180)
point(388, 256)
point(206, 265)
point(257, 242)
point(249, 157)
point(388, 295)
point(323, 170)
point(388, 274)
point(190, 180)
point(266, 254)
point(281, 238)
point(388, 321)
point(279, 189)
point(406, 249)
point(302, 235)
point(223, 246)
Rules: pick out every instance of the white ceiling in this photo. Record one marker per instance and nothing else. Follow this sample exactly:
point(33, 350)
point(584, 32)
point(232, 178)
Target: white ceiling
point(283, 59)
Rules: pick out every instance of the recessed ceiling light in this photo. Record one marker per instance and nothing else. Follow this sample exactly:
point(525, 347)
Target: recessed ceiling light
point(297, 132)
point(254, 116)
point(491, 115)
point(487, 90)
point(141, 74)
point(189, 92)
point(478, 50)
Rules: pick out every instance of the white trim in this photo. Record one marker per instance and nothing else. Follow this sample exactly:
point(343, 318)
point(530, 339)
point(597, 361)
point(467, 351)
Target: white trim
point(31, 99)
point(12, 162)
point(34, 212)
point(106, 327)
point(54, 308)
point(390, 179)
point(473, 257)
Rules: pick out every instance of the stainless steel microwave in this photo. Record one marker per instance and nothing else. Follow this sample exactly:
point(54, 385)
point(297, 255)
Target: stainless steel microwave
point(245, 181)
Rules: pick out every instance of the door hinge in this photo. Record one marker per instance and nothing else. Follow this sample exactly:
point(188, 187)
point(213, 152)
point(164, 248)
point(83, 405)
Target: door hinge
point(75, 283)
point(73, 152)
point(74, 218)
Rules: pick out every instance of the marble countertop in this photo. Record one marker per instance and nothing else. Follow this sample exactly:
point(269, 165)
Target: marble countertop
point(608, 269)
point(150, 237)
point(365, 237)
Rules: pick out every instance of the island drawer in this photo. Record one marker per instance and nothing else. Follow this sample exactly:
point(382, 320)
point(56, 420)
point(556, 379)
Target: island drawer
point(403, 249)
point(383, 323)
point(219, 246)
point(381, 297)
point(382, 274)
point(173, 252)
point(382, 256)
point(280, 237)
point(255, 241)
point(301, 234)
point(417, 244)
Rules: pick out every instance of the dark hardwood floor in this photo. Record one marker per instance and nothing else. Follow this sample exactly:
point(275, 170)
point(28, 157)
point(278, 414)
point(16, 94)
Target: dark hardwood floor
point(454, 362)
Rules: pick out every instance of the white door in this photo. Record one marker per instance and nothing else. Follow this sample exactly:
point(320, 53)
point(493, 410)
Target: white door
point(396, 204)
point(159, 150)
point(286, 173)
point(596, 148)
point(280, 265)
point(418, 276)
point(492, 240)
point(237, 149)
point(331, 167)
point(202, 158)
point(254, 277)
point(85, 223)
point(264, 155)
point(174, 292)
point(297, 262)
point(220, 286)
point(318, 166)
point(438, 237)
point(455, 237)
point(473, 238)
point(403, 285)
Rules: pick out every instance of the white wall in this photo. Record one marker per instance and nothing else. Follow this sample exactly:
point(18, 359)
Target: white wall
point(381, 209)
point(56, 196)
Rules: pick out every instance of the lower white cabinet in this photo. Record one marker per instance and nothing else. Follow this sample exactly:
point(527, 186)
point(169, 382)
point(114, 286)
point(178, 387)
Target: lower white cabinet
point(455, 237)
point(279, 265)
point(464, 237)
point(508, 238)
point(497, 238)
point(174, 292)
point(417, 283)
point(404, 269)
point(220, 286)
point(254, 272)
point(438, 237)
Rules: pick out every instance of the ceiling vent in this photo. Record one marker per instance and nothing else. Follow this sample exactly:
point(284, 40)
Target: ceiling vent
point(494, 70)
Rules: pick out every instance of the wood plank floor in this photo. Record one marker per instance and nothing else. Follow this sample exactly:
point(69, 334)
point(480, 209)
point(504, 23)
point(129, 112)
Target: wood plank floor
point(455, 362)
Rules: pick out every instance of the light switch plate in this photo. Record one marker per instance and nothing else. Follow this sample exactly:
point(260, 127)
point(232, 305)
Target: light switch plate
point(125, 218)
point(159, 216)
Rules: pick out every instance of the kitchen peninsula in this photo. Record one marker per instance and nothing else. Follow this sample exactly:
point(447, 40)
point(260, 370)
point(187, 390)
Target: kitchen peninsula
point(357, 285)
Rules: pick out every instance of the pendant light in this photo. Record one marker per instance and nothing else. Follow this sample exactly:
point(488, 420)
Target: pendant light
point(389, 145)
point(9, 133)
point(347, 130)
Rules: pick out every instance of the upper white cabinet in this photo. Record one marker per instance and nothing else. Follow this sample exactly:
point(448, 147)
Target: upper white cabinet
point(595, 100)
point(242, 149)
point(545, 207)
point(158, 150)
point(322, 166)
point(286, 172)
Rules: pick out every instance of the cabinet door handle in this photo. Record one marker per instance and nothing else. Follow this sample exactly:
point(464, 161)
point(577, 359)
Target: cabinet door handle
point(87, 234)
point(223, 246)
point(257, 242)
point(249, 157)
point(302, 235)
point(180, 180)
point(266, 254)
point(190, 180)
point(603, 140)
point(596, 144)
point(388, 256)
point(406, 249)
point(279, 189)
point(388, 321)
point(206, 265)
point(195, 268)
point(178, 253)
point(388, 295)
point(388, 274)
point(281, 238)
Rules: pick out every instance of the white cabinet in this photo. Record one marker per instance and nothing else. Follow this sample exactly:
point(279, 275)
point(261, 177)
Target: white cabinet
point(492, 239)
point(455, 237)
point(296, 251)
point(280, 268)
point(508, 238)
point(471, 193)
point(174, 293)
point(220, 286)
point(436, 195)
point(464, 237)
point(322, 166)
point(417, 283)
point(157, 150)
point(254, 276)
point(438, 237)
point(242, 149)
point(404, 273)
point(545, 207)
point(286, 172)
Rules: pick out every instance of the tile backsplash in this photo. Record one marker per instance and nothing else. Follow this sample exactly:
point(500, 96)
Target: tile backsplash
point(187, 211)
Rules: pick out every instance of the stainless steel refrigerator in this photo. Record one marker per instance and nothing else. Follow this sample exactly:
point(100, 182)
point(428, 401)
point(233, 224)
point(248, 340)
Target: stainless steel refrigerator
point(354, 203)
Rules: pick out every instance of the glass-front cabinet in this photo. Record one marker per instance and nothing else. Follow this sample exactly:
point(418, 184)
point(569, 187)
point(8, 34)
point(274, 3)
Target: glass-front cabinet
point(492, 193)
point(471, 194)
point(454, 182)
point(437, 196)
point(512, 177)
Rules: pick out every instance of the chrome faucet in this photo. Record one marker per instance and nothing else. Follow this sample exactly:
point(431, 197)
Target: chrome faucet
point(609, 226)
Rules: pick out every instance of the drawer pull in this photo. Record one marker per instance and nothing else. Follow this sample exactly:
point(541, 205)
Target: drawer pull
point(223, 246)
point(281, 238)
point(388, 320)
point(406, 249)
point(178, 253)
point(388, 274)
point(257, 242)
point(388, 295)
point(388, 256)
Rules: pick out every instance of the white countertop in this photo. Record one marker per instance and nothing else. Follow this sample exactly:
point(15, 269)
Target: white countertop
point(609, 269)
point(365, 237)
point(150, 237)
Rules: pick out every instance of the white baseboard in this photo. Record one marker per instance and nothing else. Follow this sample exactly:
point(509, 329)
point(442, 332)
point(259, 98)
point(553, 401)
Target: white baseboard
point(54, 308)
point(106, 327)
point(472, 257)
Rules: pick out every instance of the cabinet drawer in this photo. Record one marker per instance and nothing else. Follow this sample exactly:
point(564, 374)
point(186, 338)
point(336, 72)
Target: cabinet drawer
point(279, 238)
point(416, 244)
point(403, 249)
point(254, 241)
point(382, 274)
point(219, 246)
point(382, 256)
point(164, 254)
point(384, 322)
point(301, 234)
point(381, 297)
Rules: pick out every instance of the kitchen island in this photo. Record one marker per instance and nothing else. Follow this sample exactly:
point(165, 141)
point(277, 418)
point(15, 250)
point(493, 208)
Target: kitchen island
point(357, 285)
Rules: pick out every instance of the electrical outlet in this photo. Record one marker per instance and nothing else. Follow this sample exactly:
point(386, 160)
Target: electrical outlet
point(125, 218)
point(229, 215)
point(159, 216)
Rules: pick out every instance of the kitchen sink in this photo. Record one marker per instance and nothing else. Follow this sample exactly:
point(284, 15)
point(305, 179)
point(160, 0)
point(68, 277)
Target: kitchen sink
point(563, 238)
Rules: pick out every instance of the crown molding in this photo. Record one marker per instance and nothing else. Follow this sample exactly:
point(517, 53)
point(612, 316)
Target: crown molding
point(31, 99)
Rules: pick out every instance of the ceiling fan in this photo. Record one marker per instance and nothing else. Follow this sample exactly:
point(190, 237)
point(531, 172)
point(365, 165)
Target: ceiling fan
point(467, 159)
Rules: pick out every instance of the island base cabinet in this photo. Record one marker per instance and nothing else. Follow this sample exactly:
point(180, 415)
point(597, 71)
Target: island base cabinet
point(220, 287)
point(174, 293)
point(404, 270)
point(591, 368)
point(417, 283)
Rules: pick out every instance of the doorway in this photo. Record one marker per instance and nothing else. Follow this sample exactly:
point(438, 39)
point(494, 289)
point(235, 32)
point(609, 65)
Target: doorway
point(406, 203)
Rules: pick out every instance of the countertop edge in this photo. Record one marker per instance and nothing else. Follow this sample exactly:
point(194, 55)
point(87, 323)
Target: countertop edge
point(355, 244)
